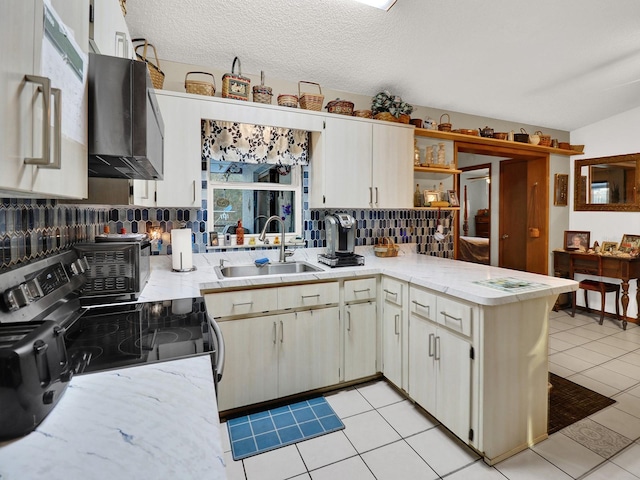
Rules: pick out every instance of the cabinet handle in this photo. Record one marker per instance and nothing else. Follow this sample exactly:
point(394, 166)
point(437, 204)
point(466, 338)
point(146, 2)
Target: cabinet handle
point(445, 314)
point(426, 307)
point(397, 318)
point(363, 290)
point(317, 295)
point(395, 294)
point(241, 304)
point(348, 320)
point(121, 39)
point(57, 130)
point(431, 338)
point(376, 195)
point(274, 333)
point(281, 332)
point(194, 192)
point(370, 195)
point(437, 357)
point(45, 87)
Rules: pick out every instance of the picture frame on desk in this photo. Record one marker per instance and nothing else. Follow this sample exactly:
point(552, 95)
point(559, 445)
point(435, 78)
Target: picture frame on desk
point(629, 243)
point(576, 240)
point(608, 247)
point(453, 198)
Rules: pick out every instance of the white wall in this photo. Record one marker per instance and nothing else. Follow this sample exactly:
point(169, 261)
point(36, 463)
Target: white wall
point(616, 135)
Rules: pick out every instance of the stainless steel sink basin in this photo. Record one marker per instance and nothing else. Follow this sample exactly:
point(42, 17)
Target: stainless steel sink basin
point(269, 269)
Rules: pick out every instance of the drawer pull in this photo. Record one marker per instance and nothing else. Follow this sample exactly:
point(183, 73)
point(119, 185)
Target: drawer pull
point(363, 290)
point(348, 320)
point(445, 314)
point(397, 318)
point(317, 295)
point(389, 292)
point(241, 304)
point(426, 307)
point(431, 338)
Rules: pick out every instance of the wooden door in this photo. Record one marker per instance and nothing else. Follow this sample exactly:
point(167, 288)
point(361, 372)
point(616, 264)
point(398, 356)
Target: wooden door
point(513, 215)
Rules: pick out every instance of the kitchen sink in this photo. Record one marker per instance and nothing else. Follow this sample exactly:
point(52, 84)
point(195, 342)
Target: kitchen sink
point(268, 269)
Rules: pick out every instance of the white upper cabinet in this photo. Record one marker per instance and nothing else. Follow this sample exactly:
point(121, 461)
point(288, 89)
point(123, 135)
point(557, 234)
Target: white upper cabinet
point(362, 164)
point(43, 106)
point(182, 184)
point(109, 31)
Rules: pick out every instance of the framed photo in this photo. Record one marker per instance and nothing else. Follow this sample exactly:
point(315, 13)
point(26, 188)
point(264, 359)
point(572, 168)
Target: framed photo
point(609, 247)
point(561, 188)
point(629, 243)
point(431, 196)
point(453, 198)
point(576, 240)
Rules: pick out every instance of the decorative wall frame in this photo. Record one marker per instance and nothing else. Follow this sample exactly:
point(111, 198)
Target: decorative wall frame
point(561, 189)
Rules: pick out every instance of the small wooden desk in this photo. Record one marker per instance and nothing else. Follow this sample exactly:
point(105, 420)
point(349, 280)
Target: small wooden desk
point(566, 264)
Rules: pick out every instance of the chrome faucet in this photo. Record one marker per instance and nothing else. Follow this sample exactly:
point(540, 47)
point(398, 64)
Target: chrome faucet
point(263, 235)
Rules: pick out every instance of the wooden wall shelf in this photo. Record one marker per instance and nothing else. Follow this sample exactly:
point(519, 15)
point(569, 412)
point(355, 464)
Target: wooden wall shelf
point(459, 137)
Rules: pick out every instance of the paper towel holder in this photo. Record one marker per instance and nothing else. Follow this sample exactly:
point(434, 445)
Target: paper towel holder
point(181, 247)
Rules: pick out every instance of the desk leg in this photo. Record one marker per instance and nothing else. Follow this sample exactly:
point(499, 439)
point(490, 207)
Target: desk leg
point(625, 302)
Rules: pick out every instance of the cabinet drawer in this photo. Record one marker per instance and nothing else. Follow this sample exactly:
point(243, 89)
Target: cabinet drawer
point(242, 302)
point(422, 303)
point(362, 289)
point(308, 295)
point(455, 315)
point(392, 290)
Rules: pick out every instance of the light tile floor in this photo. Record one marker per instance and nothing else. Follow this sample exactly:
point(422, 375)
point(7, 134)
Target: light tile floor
point(387, 437)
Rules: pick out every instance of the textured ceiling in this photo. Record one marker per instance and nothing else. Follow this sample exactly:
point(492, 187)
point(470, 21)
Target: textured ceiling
point(561, 64)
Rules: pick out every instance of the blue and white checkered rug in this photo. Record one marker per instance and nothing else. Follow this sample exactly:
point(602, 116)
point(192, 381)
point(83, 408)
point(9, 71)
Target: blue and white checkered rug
point(271, 429)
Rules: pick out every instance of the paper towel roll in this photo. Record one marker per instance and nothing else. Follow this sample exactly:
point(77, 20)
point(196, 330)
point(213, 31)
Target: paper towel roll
point(181, 253)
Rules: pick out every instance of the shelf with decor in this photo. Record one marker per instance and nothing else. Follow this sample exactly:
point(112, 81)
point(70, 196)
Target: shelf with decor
point(460, 137)
point(444, 171)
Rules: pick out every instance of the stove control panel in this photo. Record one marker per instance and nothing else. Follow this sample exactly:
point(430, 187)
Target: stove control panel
point(45, 282)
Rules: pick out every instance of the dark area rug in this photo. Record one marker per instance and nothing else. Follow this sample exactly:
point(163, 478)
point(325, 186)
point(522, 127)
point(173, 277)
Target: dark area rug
point(570, 402)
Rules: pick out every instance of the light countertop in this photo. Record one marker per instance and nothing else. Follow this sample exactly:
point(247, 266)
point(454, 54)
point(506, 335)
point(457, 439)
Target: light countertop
point(155, 421)
point(452, 277)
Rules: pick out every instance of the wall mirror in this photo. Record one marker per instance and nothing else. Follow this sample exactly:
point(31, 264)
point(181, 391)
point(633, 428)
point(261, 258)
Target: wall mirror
point(607, 183)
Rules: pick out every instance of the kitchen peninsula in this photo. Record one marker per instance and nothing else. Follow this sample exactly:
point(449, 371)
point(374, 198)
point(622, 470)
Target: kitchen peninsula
point(467, 342)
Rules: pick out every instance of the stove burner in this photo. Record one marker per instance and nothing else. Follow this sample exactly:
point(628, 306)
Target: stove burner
point(92, 331)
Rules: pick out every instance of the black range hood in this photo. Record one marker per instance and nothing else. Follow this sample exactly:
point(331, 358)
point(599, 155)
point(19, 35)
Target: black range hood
point(126, 132)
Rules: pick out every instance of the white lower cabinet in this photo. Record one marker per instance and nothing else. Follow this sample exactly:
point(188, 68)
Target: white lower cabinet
point(360, 340)
point(439, 362)
point(394, 331)
point(270, 352)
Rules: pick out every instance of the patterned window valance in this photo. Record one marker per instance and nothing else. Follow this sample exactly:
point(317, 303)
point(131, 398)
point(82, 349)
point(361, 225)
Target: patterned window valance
point(241, 142)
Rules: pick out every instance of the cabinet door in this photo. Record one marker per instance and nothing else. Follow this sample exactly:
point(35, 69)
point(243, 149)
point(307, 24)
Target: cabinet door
point(309, 350)
point(251, 362)
point(182, 182)
point(392, 169)
point(392, 343)
point(359, 340)
point(16, 115)
point(109, 30)
point(422, 373)
point(341, 165)
point(453, 365)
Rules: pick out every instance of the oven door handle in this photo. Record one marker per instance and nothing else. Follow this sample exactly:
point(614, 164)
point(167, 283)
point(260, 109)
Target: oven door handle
point(220, 347)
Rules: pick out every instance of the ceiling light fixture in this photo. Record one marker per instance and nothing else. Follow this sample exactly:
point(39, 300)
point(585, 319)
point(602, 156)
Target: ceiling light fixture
point(381, 4)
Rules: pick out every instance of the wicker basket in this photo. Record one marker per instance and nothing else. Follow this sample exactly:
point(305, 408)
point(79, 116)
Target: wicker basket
point(342, 107)
point(200, 87)
point(310, 101)
point(363, 113)
point(445, 126)
point(262, 94)
point(288, 100)
point(545, 140)
point(235, 86)
point(386, 116)
point(123, 7)
point(386, 248)
point(157, 75)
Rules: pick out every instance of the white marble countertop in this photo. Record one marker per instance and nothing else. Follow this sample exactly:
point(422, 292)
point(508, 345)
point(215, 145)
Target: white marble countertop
point(452, 277)
point(155, 421)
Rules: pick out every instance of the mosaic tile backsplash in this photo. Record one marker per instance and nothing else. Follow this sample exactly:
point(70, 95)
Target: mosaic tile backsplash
point(30, 229)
